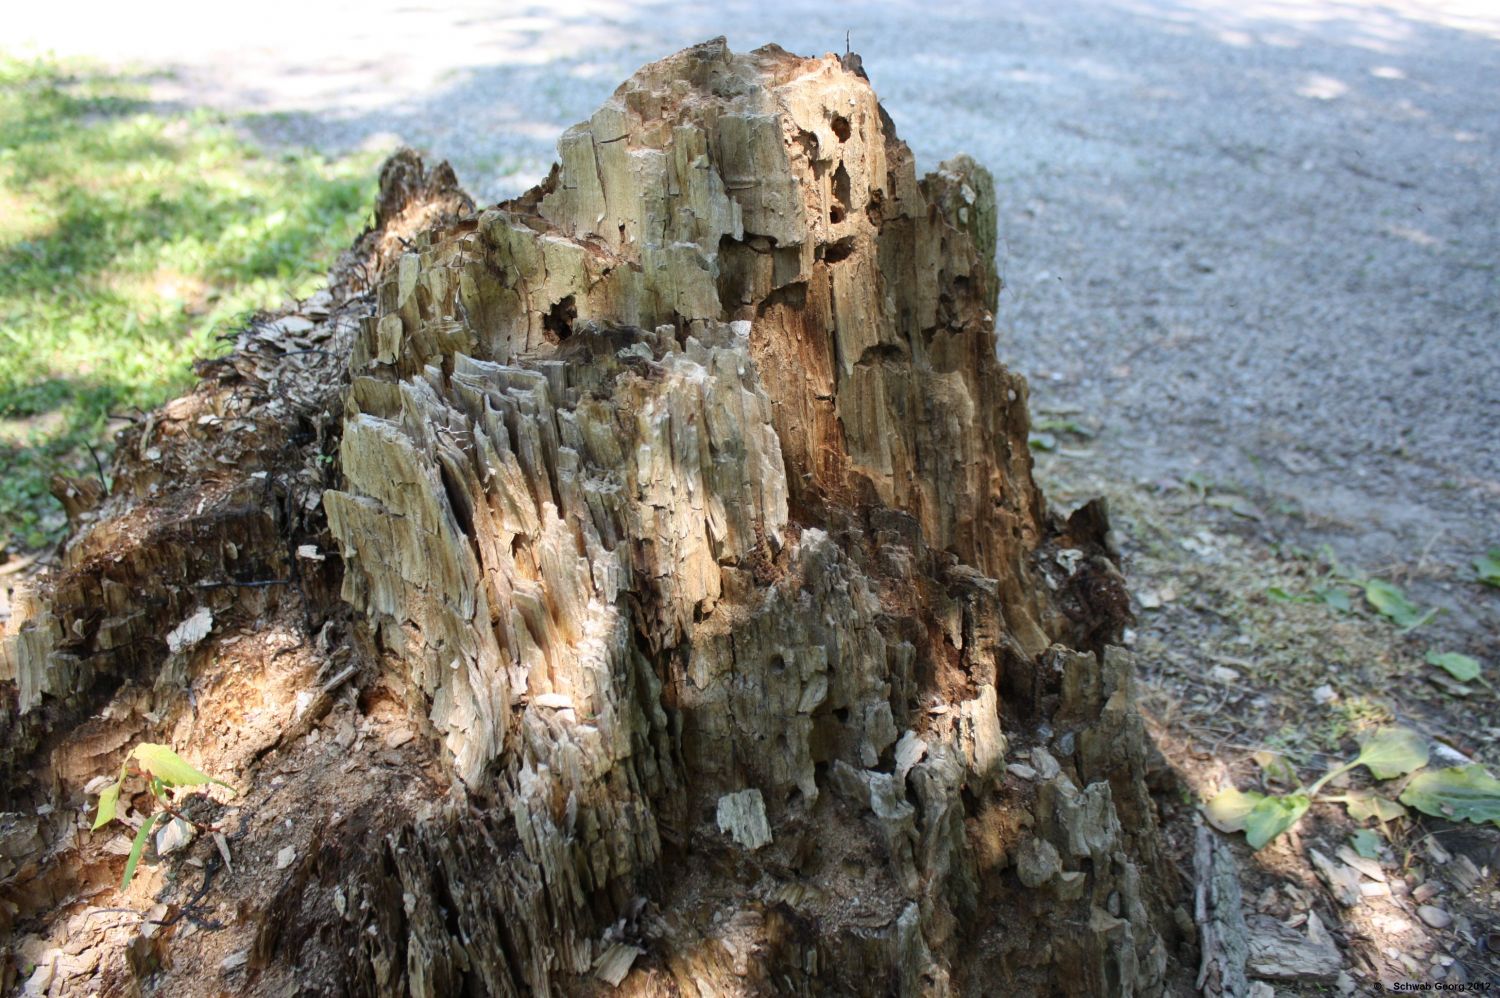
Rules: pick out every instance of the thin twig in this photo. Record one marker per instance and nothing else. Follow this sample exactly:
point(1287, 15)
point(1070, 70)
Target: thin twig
point(210, 868)
point(167, 807)
point(98, 465)
point(246, 585)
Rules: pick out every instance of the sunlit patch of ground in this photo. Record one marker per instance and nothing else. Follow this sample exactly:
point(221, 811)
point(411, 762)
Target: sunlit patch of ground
point(130, 235)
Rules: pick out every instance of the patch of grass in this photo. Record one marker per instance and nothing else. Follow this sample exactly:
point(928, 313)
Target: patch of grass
point(129, 236)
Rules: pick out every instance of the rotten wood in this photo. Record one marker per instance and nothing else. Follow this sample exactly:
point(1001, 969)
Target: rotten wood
point(682, 508)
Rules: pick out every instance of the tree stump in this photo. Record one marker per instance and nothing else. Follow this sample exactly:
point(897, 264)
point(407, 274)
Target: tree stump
point(641, 583)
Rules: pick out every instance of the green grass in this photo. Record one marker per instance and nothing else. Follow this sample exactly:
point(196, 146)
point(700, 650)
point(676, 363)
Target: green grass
point(129, 237)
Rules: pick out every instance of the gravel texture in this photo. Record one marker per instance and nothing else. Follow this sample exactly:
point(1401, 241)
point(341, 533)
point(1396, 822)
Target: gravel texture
point(1252, 240)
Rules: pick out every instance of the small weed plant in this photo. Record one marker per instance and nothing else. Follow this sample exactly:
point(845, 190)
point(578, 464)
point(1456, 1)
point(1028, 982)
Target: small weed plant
point(164, 771)
point(1384, 597)
point(1458, 793)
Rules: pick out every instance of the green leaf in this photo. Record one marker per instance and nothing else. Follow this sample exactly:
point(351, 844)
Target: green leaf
point(1048, 425)
point(1366, 843)
point(109, 800)
point(1393, 604)
point(1364, 806)
point(1272, 816)
point(167, 766)
point(1487, 568)
point(1042, 441)
point(137, 847)
point(1336, 598)
point(1229, 809)
point(1392, 752)
point(1238, 505)
point(1457, 793)
point(1280, 595)
point(1460, 667)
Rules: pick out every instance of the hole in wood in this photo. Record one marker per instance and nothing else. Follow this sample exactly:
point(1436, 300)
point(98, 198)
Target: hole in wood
point(557, 325)
point(839, 249)
point(840, 207)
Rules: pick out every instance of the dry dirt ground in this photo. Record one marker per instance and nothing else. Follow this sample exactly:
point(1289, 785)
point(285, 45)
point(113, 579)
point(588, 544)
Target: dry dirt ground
point(1250, 250)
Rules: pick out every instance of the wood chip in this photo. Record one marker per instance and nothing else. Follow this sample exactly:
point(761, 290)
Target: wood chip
point(1465, 874)
point(1219, 915)
point(1369, 867)
point(173, 836)
point(1281, 954)
point(614, 963)
point(742, 816)
point(191, 631)
point(1342, 880)
point(337, 681)
point(223, 845)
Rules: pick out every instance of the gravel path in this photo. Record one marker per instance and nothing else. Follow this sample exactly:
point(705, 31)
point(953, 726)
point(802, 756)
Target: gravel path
point(1248, 239)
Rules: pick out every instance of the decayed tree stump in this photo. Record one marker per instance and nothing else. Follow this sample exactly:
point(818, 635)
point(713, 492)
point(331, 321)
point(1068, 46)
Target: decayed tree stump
point(683, 512)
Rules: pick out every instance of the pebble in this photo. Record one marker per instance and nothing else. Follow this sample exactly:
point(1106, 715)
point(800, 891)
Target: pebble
point(285, 857)
point(1435, 917)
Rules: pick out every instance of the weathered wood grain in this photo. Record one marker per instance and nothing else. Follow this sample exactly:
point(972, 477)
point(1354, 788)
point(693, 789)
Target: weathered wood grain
point(685, 507)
